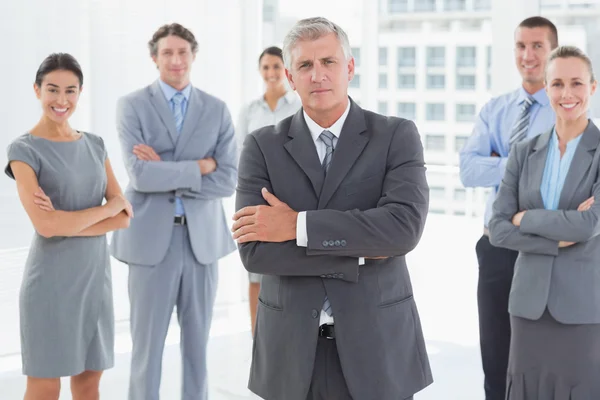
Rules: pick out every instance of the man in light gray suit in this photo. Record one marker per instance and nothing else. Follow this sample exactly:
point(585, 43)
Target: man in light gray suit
point(179, 151)
point(330, 324)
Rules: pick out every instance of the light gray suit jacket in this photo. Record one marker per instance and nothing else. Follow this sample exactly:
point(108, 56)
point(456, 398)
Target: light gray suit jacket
point(566, 280)
point(144, 117)
point(373, 202)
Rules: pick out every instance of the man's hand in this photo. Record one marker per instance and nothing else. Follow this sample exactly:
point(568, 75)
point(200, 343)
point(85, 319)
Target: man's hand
point(207, 165)
point(273, 223)
point(586, 205)
point(145, 153)
point(494, 154)
point(562, 243)
point(516, 219)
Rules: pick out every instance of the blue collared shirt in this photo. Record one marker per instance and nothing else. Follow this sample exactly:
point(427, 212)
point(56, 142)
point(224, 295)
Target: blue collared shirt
point(556, 170)
point(169, 92)
point(492, 132)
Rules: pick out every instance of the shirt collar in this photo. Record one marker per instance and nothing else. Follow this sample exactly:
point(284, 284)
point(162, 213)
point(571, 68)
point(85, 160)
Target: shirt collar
point(169, 91)
point(540, 96)
point(336, 128)
point(570, 144)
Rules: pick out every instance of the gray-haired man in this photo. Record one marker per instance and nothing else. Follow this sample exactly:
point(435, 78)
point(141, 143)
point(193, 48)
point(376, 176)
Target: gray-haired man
point(330, 324)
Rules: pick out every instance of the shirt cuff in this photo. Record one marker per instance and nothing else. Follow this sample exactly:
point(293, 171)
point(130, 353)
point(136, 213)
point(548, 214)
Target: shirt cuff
point(301, 233)
point(361, 261)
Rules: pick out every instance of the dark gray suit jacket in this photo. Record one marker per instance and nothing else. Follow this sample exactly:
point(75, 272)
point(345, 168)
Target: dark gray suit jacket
point(373, 202)
point(566, 280)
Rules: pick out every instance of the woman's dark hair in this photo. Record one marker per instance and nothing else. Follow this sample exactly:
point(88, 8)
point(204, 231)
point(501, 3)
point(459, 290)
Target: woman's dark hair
point(272, 51)
point(172, 30)
point(57, 62)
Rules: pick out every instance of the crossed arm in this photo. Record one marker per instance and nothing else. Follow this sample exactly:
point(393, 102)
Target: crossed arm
point(539, 231)
point(205, 179)
point(48, 222)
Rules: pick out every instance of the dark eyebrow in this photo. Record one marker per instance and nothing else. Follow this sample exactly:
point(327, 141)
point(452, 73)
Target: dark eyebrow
point(56, 86)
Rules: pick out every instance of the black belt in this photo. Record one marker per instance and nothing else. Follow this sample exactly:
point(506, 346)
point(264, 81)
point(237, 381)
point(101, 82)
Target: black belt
point(180, 220)
point(327, 331)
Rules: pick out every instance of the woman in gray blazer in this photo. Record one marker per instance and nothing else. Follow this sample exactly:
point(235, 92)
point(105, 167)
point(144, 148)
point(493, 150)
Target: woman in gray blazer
point(546, 209)
point(275, 104)
point(65, 304)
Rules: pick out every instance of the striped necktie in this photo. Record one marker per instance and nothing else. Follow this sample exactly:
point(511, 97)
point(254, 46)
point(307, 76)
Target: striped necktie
point(177, 100)
point(521, 126)
point(327, 138)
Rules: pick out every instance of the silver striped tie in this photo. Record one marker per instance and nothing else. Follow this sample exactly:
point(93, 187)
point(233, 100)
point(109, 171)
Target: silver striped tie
point(177, 100)
point(327, 138)
point(521, 126)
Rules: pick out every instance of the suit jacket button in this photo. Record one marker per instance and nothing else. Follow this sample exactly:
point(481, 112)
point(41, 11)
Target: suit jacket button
point(338, 243)
point(325, 243)
point(335, 276)
point(329, 276)
point(323, 276)
point(315, 314)
point(341, 276)
point(171, 200)
point(343, 243)
point(331, 243)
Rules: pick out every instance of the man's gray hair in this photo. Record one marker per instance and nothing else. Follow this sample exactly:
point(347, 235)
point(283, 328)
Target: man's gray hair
point(313, 29)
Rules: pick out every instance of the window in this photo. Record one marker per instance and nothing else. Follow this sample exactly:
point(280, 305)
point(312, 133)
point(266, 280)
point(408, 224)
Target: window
point(406, 81)
point(356, 54)
point(489, 81)
point(382, 107)
point(436, 112)
point(465, 82)
point(465, 112)
point(466, 56)
point(407, 57)
point(435, 142)
point(397, 6)
point(436, 81)
point(425, 5)
point(489, 56)
point(407, 110)
point(455, 5)
point(459, 143)
point(383, 56)
point(436, 56)
point(437, 192)
point(460, 194)
point(482, 5)
point(268, 12)
point(383, 81)
point(355, 82)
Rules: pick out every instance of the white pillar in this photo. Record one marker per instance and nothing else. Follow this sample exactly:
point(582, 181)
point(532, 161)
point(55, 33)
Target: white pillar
point(506, 15)
point(369, 75)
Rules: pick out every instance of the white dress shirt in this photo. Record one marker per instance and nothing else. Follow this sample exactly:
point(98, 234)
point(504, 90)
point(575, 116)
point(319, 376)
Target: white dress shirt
point(315, 132)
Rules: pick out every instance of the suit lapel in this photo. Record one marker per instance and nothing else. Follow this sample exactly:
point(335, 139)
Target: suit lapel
point(349, 146)
point(157, 98)
point(584, 154)
point(302, 149)
point(537, 165)
point(190, 122)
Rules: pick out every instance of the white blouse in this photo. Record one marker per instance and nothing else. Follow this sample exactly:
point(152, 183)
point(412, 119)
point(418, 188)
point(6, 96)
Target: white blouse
point(257, 114)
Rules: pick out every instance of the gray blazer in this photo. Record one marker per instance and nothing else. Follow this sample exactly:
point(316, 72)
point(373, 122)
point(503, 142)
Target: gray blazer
point(373, 202)
point(144, 117)
point(566, 280)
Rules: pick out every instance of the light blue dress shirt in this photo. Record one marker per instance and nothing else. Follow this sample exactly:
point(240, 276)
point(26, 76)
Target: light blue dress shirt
point(491, 133)
point(169, 92)
point(556, 170)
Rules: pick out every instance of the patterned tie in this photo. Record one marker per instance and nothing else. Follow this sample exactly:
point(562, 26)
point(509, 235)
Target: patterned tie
point(521, 126)
point(177, 100)
point(327, 138)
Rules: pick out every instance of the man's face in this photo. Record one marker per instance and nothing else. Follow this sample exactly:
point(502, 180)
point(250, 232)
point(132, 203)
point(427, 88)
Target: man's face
point(174, 60)
point(532, 47)
point(320, 74)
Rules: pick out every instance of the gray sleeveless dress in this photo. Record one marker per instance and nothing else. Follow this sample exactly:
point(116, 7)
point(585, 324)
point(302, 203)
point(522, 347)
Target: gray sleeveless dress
point(66, 309)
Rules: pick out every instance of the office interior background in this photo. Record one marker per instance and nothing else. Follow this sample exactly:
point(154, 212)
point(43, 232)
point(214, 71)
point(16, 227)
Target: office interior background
point(433, 61)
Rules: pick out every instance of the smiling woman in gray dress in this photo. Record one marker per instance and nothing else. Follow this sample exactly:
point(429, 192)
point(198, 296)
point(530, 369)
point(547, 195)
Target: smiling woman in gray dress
point(63, 176)
point(548, 208)
point(275, 104)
